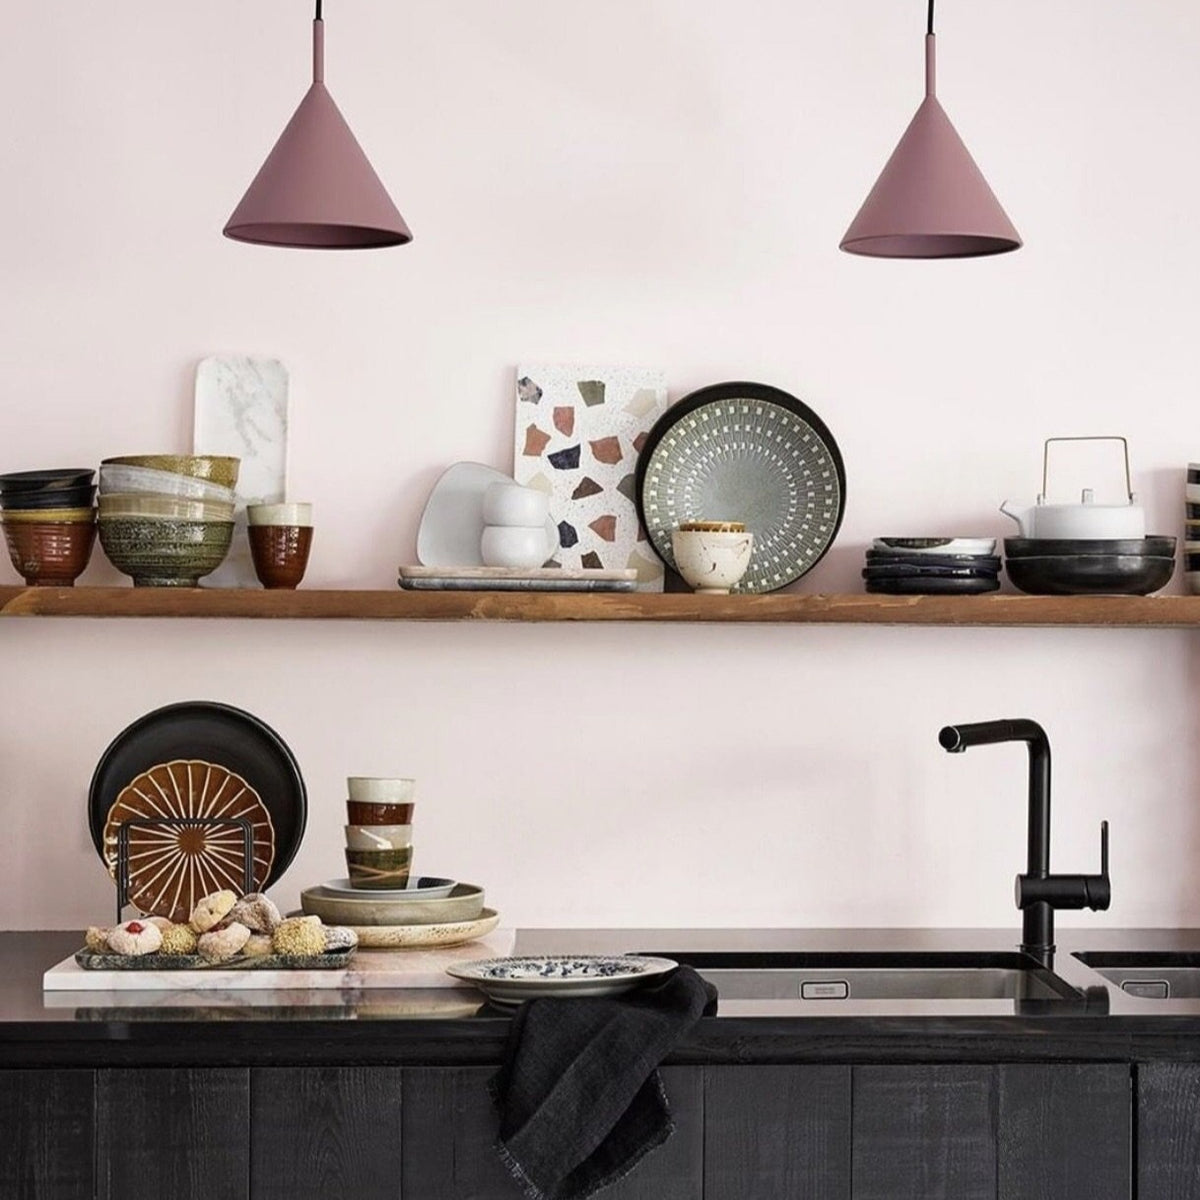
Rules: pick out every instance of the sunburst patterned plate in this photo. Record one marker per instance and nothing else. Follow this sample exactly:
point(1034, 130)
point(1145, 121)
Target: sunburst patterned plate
point(172, 866)
point(751, 453)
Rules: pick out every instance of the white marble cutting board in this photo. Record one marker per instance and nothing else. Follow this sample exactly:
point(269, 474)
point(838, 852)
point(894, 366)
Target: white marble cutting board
point(242, 409)
point(370, 969)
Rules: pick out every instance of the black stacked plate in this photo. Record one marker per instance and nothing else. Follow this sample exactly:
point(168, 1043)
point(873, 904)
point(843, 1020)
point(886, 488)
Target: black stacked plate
point(932, 567)
point(1092, 566)
point(62, 489)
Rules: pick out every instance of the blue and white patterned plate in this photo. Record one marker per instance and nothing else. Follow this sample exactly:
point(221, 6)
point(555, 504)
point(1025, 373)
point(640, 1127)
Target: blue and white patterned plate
point(512, 980)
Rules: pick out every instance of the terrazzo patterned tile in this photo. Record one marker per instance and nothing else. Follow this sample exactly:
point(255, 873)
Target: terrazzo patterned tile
point(597, 419)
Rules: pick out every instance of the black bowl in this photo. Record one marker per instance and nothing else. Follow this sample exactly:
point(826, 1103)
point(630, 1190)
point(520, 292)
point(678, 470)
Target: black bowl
point(1090, 574)
point(1147, 547)
point(81, 497)
point(1193, 511)
point(37, 481)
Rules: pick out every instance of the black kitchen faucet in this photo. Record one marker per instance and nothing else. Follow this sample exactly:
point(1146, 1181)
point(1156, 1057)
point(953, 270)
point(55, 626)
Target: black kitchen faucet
point(1038, 892)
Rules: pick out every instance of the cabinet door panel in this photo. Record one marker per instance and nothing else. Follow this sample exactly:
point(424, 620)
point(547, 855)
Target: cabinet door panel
point(449, 1137)
point(173, 1133)
point(1168, 1132)
point(1065, 1132)
point(450, 1126)
point(46, 1134)
point(924, 1133)
point(777, 1133)
point(324, 1132)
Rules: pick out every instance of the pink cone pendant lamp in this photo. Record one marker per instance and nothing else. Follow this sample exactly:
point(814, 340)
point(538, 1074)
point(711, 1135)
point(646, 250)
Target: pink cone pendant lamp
point(931, 201)
point(317, 190)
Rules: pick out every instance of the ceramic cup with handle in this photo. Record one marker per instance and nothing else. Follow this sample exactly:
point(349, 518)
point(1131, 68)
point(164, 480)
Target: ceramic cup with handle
point(280, 541)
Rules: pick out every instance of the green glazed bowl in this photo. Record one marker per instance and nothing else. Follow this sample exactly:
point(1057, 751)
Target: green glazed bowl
point(165, 553)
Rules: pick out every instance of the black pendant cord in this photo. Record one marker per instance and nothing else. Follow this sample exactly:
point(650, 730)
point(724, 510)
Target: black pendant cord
point(319, 9)
point(928, 27)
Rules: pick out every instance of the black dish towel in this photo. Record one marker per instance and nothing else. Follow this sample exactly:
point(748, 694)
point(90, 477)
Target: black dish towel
point(580, 1097)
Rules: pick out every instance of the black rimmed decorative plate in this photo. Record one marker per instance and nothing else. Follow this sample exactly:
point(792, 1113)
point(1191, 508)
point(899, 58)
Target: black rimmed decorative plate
point(210, 733)
point(752, 453)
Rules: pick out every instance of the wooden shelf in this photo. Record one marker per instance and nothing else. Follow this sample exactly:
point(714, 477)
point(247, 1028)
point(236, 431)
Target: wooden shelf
point(780, 608)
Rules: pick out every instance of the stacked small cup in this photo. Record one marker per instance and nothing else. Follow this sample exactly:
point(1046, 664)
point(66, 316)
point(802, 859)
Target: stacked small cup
point(49, 524)
point(280, 540)
point(379, 837)
point(515, 533)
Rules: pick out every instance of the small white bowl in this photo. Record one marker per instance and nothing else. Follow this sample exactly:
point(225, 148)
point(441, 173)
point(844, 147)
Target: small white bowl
point(377, 790)
point(515, 506)
point(1193, 492)
point(711, 563)
point(279, 514)
point(378, 837)
point(510, 546)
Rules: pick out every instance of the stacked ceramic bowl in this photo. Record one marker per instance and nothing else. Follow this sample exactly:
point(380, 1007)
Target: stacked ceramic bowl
point(515, 527)
point(49, 524)
point(932, 566)
point(166, 520)
point(379, 836)
point(1191, 547)
point(1045, 566)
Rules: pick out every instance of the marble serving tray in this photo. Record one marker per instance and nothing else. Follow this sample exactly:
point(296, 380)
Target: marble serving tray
point(331, 960)
point(367, 969)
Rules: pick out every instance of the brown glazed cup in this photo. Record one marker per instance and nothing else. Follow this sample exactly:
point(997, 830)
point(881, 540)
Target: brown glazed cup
point(51, 553)
point(379, 869)
point(362, 812)
point(280, 553)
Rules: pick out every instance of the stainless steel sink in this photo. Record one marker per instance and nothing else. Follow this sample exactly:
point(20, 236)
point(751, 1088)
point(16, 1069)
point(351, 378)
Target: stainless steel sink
point(1148, 974)
point(826, 978)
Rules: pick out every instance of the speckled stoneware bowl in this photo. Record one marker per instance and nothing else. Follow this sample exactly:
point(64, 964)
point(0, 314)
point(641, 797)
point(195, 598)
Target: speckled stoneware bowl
point(218, 468)
point(165, 553)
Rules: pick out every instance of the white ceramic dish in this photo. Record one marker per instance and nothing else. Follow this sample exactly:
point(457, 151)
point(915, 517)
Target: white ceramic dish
point(147, 506)
point(515, 505)
point(421, 887)
point(513, 980)
point(932, 545)
point(513, 546)
point(375, 789)
point(378, 837)
point(452, 524)
point(123, 478)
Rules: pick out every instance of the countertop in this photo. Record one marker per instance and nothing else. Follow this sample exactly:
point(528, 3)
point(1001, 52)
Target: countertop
point(454, 1027)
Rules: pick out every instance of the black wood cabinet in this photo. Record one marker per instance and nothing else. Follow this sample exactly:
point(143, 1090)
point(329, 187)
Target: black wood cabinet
point(1168, 1123)
point(958, 1132)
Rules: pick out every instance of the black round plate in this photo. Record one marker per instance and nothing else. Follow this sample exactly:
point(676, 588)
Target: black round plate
point(980, 562)
point(906, 571)
point(80, 497)
point(216, 733)
point(32, 481)
point(769, 461)
point(932, 587)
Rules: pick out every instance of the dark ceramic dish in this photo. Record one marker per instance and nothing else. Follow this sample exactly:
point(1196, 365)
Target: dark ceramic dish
point(1091, 574)
point(215, 733)
point(78, 497)
point(36, 481)
point(905, 571)
point(932, 587)
point(1148, 547)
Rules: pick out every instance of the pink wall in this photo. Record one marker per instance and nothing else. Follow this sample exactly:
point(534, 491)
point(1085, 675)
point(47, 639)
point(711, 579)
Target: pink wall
point(666, 183)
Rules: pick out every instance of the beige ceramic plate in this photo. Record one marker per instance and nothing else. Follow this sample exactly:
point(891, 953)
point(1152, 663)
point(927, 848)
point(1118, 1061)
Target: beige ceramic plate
point(464, 903)
point(170, 868)
point(415, 937)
